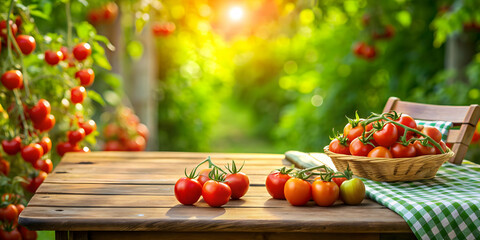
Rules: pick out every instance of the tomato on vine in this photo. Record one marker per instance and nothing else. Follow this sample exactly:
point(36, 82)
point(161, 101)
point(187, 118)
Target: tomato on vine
point(3, 28)
point(443, 146)
point(203, 176)
point(339, 144)
point(275, 182)
point(432, 132)
point(325, 193)
point(237, 181)
point(9, 213)
point(14, 234)
point(40, 111)
point(32, 152)
point(407, 121)
point(26, 43)
point(27, 234)
point(64, 147)
point(78, 94)
point(399, 150)
point(86, 76)
point(44, 165)
point(76, 136)
point(13, 146)
point(64, 51)
point(387, 135)
point(46, 144)
point(216, 192)
point(422, 148)
point(12, 79)
point(81, 51)
point(4, 167)
point(47, 124)
point(53, 57)
point(89, 126)
point(187, 189)
point(360, 147)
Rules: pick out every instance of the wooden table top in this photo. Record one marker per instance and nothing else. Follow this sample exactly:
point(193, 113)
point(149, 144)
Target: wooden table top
point(120, 191)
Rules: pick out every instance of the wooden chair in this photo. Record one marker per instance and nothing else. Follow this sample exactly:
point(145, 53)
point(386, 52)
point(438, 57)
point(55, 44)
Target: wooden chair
point(464, 117)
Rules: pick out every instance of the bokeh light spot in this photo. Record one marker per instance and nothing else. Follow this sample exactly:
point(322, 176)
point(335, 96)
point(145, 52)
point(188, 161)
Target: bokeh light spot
point(307, 16)
point(236, 13)
point(474, 93)
point(317, 100)
point(290, 67)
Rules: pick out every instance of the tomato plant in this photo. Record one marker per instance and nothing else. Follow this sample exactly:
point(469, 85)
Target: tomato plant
point(32, 152)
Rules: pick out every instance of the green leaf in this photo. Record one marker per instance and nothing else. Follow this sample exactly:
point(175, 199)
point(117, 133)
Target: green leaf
point(85, 31)
point(105, 40)
point(96, 97)
point(39, 14)
point(101, 61)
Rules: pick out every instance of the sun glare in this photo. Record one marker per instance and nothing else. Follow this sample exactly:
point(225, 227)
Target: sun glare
point(235, 13)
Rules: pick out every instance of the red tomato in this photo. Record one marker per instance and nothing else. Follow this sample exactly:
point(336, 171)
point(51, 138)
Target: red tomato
point(64, 147)
point(113, 145)
point(3, 29)
point(358, 148)
point(64, 51)
point(111, 131)
point(337, 147)
point(136, 144)
point(94, 16)
point(142, 130)
point(9, 213)
point(216, 193)
point(44, 165)
point(32, 152)
point(86, 76)
point(20, 208)
point(35, 183)
point(423, 150)
point(380, 152)
point(238, 183)
point(110, 12)
point(432, 132)
point(76, 136)
point(400, 151)
point(53, 57)
point(4, 167)
point(354, 132)
point(81, 51)
point(339, 180)
point(297, 191)
point(163, 29)
point(89, 126)
point(46, 124)
point(369, 52)
point(12, 79)
point(46, 144)
point(203, 176)
point(387, 136)
point(358, 48)
point(276, 184)
point(78, 94)
point(12, 235)
point(40, 111)
point(444, 147)
point(187, 190)
point(352, 192)
point(325, 193)
point(476, 137)
point(13, 146)
point(27, 234)
point(407, 121)
point(26, 43)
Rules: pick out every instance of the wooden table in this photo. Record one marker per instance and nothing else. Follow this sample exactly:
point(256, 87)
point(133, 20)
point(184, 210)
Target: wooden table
point(119, 195)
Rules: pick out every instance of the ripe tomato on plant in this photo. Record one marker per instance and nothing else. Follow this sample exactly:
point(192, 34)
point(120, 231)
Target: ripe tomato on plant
point(46, 144)
point(53, 57)
point(386, 136)
point(64, 51)
point(20, 208)
point(380, 152)
point(3, 28)
point(76, 136)
point(40, 111)
point(325, 193)
point(86, 76)
point(137, 144)
point(113, 145)
point(64, 147)
point(44, 165)
point(81, 51)
point(26, 43)
point(35, 182)
point(398, 150)
point(9, 213)
point(297, 191)
point(47, 124)
point(4, 167)
point(27, 234)
point(78, 94)
point(10, 235)
point(353, 132)
point(339, 180)
point(237, 181)
point(32, 152)
point(358, 147)
point(275, 182)
point(12, 79)
point(89, 126)
point(432, 132)
point(13, 146)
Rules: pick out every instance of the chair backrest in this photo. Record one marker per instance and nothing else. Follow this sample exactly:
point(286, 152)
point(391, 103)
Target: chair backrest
point(464, 119)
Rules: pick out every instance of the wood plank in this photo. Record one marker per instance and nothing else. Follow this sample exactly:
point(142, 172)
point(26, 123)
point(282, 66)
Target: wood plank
point(194, 155)
point(152, 201)
point(190, 218)
point(120, 189)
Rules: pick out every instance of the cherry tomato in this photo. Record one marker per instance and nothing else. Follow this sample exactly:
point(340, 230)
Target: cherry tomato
point(203, 176)
point(76, 136)
point(3, 29)
point(64, 147)
point(369, 52)
point(276, 184)
point(352, 191)
point(358, 48)
point(400, 151)
point(32, 152)
point(358, 148)
point(12, 79)
point(9, 213)
point(423, 150)
point(163, 29)
point(46, 124)
point(380, 152)
point(78, 94)
point(13, 146)
point(81, 51)
point(142, 130)
point(432, 132)
point(4, 167)
point(12, 235)
point(46, 144)
point(216, 193)
point(89, 126)
point(86, 76)
point(444, 147)
point(110, 12)
point(136, 144)
point(35, 182)
point(20, 208)
point(353, 133)
point(27, 234)
point(387, 136)
point(53, 57)
point(26, 43)
point(40, 111)
point(407, 121)
point(187, 190)
point(238, 183)
point(44, 165)
point(94, 16)
point(337, 147)
point(297, 191)
point(113, 145)
point(325, 193)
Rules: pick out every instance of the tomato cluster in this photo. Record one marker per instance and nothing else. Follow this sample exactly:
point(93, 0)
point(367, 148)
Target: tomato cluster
point(10, 208)
point(215, 185)
point(389, 135)
point(324, 190)
point(375, 31)
point(163, 29)
point(125, 133)
point(106, 14)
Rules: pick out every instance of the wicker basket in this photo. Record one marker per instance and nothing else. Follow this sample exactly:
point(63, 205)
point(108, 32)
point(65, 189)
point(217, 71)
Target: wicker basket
point(391, 169)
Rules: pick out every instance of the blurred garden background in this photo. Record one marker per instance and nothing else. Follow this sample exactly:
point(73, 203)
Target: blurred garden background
point(223, 75)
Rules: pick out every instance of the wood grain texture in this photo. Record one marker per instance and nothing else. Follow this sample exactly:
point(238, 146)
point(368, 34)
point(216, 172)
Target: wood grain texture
point(83, 197)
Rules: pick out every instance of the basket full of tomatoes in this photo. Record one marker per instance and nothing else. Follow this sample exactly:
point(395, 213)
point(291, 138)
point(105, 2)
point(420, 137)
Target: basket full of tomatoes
point(389, 147)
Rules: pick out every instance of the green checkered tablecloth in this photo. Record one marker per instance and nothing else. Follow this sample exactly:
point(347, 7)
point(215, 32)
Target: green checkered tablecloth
point(446, 207)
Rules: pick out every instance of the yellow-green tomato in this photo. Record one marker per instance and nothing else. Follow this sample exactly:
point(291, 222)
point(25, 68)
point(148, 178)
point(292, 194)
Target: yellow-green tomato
point(352, 191)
